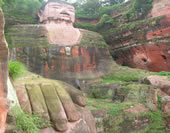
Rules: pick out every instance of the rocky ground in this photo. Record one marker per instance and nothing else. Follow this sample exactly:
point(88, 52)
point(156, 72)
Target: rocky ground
point(125, 101)
point(130, 101)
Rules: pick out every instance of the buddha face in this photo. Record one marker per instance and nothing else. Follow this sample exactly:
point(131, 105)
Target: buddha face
point(54, 11)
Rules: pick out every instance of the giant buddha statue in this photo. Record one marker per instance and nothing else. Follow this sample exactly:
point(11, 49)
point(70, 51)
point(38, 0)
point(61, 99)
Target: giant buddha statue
point(55, 49)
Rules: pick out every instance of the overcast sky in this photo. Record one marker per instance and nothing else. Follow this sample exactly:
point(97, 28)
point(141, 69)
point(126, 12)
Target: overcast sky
point(71, 1)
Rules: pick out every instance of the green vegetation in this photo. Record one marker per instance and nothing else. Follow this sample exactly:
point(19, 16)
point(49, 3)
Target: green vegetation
point(159, 102)
point(123, 82)
point(107, 104)
point(28, 123)
point(122, 77)
point(137, 26)
point(1, 3)
point(130, 11)
point(119, 121)
point(157, 123)
point(125, 74)
point(153, 122)
point(163, 73)
point(100, 12)
point(137, 10)
point(105, 20)
point(88, 8)
point(92, 39)
point(136, 92)
point(115, 109)
point(86, 26)
point(16, 69)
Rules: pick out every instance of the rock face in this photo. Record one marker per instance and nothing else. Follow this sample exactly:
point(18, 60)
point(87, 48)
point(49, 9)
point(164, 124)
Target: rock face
point(163, 83)
point(147, 45)
point(160, 8)
point(3, 74)
point(85, 60)
point(54, 101)
point(159, 81)
point(149, 57)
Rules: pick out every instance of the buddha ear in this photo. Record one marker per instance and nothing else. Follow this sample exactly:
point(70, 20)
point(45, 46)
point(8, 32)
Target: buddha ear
point(40, 15)
point(1, 19)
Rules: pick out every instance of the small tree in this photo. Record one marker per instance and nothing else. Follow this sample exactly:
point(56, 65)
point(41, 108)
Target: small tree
point(88, 7)
point(112, 2)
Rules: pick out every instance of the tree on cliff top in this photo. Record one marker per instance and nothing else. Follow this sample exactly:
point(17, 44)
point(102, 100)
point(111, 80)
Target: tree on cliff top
point(112, 2)
point(93, 8)
point(88, 6)
point(20, 11)
point(22, 6)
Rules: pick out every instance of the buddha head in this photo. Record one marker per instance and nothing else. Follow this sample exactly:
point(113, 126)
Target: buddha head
point(57, 11)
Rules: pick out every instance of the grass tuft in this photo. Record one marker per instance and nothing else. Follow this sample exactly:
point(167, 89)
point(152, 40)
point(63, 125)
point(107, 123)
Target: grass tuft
point(16, 69)
point(28, 123)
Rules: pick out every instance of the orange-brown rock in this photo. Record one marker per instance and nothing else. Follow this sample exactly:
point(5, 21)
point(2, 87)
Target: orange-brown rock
point(160, 7)
point(139, 108)
point(3, 74)
point(149, 57)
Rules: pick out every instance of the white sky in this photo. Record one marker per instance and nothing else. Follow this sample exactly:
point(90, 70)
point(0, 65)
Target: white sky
point(71, 1)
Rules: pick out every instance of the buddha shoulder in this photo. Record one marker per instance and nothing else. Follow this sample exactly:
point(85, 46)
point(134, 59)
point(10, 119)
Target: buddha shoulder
point(91, 39)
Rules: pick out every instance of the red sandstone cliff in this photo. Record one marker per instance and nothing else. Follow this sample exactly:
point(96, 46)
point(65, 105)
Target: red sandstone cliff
point(147, 46)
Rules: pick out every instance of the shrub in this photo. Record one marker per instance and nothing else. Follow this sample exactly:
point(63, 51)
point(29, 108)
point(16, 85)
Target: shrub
point(86, 26)
point(105, 20)
point(16, 69)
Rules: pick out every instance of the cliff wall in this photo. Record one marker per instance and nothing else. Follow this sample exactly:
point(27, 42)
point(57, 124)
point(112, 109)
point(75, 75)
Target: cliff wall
point(139, 34)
